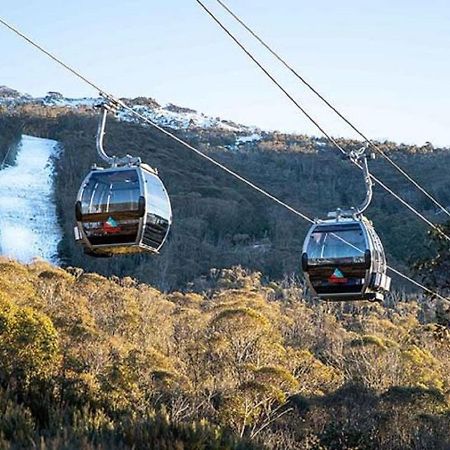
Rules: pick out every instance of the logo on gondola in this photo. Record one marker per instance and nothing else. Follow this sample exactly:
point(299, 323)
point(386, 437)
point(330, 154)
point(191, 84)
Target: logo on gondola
point(337, 277)
point(111, 226)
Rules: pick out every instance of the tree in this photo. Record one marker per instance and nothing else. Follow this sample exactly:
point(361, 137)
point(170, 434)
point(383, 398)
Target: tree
point(435, 270)
point(28, 344)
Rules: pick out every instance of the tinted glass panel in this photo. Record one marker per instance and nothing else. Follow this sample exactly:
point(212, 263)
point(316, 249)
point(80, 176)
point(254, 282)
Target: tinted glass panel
point(158, 202)
point(109, 205)
point(333, 243)
point(111, 191)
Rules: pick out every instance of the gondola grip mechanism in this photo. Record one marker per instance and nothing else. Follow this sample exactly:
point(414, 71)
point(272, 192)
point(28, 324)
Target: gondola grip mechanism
point(111, 105)
point(359, 157)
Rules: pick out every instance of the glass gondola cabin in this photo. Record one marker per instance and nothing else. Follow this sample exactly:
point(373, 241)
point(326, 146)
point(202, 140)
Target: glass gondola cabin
point(343, 259)
point(122, 210)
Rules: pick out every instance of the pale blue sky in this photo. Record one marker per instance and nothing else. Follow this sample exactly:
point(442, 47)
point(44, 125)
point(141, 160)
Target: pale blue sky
point(385, 63)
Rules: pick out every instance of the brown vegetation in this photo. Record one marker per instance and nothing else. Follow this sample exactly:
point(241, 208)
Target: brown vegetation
point(89, 362)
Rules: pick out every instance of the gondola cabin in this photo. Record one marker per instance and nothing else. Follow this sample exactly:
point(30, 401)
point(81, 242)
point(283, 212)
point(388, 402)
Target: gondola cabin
point(343, 259)
point(122, 210)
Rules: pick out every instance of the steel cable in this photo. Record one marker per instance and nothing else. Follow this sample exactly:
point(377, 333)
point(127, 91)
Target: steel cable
point(190, 147)
point(331, 139)
point(331, 106)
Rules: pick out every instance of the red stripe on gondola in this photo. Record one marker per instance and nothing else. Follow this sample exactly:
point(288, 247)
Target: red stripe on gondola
point(107, 228)
point(337, 280)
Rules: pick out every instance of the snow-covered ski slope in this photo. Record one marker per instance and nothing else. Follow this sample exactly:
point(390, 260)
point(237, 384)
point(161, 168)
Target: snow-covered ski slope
point(28, 222)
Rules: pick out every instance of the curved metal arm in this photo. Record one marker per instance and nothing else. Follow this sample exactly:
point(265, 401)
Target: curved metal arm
point(100, 134)
point(111, 160)
point(359, 158)
point(369, 184)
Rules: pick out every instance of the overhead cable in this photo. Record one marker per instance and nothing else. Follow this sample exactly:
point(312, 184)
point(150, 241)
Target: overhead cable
point(314, 121)
point(372, 144)
point(190, 147)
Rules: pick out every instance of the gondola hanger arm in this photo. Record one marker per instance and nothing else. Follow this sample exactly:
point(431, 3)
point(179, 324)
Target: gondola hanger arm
point(110, 104)
point(360, 157)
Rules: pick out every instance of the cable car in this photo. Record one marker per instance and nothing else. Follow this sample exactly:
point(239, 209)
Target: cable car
point(343, 257)
point(124, 209)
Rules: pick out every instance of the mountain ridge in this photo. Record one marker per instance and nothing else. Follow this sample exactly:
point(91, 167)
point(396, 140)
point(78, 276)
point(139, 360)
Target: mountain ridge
point(170, 115)
point(187, 119)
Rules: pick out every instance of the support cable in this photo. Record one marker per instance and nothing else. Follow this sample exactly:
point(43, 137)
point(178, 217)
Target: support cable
point(331, 139)
point(372, 144)
point(190, 147)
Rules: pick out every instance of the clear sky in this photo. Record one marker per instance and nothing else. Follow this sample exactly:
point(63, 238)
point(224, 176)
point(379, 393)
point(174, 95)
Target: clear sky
point(384, 63)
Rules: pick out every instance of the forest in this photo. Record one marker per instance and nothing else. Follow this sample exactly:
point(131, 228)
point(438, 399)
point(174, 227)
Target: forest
point(214, 344)
point(88, 362)
point(219, 222)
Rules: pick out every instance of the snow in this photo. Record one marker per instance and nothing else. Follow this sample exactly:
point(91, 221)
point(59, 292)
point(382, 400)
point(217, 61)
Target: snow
point(28, 221)
point(168, 118)
point(243, 140)
point(70, 102)
point(247, 139)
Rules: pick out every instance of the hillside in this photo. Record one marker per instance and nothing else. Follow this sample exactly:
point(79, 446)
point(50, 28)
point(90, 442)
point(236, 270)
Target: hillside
point(28, 223)
point(217, 221)
point(94, 363)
